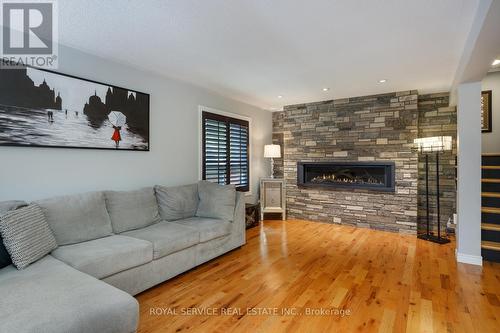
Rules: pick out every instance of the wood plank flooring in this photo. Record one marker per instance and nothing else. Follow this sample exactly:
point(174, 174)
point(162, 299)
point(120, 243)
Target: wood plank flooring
point(299, 276)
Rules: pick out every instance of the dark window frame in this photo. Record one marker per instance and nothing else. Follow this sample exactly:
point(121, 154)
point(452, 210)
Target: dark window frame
point(228, 121)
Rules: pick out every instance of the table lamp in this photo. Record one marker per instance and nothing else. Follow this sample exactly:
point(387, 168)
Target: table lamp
point(272, 152)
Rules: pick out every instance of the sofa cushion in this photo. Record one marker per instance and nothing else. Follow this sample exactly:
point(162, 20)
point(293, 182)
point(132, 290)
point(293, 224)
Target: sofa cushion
point(77, 218)
point(167, 237)
point(26, 235)
point(131, 210)
point(216, 201)
point(51, 297)
point(209, 228)
point(106, 256)
point(6, 206)
point(177, 202)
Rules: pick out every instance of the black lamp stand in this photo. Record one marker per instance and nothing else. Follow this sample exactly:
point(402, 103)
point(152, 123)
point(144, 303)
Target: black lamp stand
point(428, 236)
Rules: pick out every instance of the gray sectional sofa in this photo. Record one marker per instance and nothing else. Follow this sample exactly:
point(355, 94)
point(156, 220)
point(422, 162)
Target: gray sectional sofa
point(112, 245)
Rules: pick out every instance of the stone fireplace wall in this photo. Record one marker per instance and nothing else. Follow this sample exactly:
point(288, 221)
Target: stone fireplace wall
point(437, 118)
point(370, 128)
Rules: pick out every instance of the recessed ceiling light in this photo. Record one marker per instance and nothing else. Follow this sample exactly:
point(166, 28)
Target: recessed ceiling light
point(496, 62)
point(382, 81)
point(280, 96)
point(326, 89)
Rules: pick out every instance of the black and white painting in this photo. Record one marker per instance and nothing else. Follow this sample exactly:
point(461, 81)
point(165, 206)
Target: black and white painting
point(48, 109)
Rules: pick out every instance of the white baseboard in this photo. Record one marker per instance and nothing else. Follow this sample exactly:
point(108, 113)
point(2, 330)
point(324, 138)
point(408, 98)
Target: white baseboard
point(469, 259)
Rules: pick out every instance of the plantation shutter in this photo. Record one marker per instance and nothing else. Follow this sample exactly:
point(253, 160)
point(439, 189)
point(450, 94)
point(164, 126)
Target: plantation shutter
point(225, 150)
point(238, 144)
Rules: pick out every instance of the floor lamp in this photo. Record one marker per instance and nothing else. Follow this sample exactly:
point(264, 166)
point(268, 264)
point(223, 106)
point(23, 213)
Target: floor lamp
point(429, 145)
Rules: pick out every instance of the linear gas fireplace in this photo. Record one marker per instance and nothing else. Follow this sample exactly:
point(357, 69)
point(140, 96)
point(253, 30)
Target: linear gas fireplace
point(378, 176)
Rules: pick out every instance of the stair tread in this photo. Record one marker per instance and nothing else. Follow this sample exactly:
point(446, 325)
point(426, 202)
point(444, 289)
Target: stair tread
point(493, 210)
point(490, 194)
point(490, 245)
point(490, 167)
point(490, 226)
point(490, 180)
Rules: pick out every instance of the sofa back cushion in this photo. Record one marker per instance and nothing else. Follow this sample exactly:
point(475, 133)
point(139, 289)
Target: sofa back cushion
point(77, 218)
point(216, 201)
point(6, 206)
point(131, 210)
point(177, 202)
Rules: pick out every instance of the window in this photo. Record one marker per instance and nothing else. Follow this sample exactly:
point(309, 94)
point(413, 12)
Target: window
point(225, 150)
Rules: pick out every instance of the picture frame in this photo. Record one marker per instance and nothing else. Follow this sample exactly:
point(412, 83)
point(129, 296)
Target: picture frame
point(486, 111)
point(45, 108)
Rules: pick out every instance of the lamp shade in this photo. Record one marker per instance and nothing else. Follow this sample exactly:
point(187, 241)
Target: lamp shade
point(434, 143)
point(273, 151)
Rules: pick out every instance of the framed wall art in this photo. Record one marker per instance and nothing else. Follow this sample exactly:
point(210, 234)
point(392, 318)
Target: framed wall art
point(42, 108)
point(486, 111)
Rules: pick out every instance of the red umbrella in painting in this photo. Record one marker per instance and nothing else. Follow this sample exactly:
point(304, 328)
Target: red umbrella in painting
point(117, 119)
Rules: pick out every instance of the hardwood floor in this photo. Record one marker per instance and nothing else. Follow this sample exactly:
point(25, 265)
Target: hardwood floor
point(376, 281)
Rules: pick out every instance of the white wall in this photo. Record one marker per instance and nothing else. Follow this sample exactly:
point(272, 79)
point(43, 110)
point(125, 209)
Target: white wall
point(33, 173)
point(469, 173)
point(491, 141)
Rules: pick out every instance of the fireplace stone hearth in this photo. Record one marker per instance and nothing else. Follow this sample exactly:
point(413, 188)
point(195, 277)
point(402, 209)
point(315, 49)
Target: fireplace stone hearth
point(372, 129)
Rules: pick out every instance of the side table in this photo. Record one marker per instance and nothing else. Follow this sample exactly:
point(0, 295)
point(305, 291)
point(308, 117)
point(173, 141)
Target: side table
point(252, 215)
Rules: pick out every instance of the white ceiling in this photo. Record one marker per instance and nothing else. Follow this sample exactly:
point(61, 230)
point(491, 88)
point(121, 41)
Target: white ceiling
point(255, 50)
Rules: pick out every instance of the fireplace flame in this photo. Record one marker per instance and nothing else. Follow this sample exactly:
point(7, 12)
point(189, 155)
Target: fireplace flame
point(332, 178)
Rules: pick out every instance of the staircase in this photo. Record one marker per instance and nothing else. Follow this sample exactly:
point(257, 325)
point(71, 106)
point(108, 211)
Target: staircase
point(490, 207)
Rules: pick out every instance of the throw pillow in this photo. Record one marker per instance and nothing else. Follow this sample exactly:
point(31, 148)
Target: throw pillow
point(26, 235)
point(6, 206)
point(216, 201)
point(177, 202)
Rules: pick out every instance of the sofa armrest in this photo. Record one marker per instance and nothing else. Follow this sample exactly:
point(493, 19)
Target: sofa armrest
point(238, 229)
point(239, 209)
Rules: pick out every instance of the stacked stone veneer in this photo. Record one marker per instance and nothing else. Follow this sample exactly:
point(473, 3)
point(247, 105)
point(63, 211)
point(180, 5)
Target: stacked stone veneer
point(436, 118)
point(370, 128)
